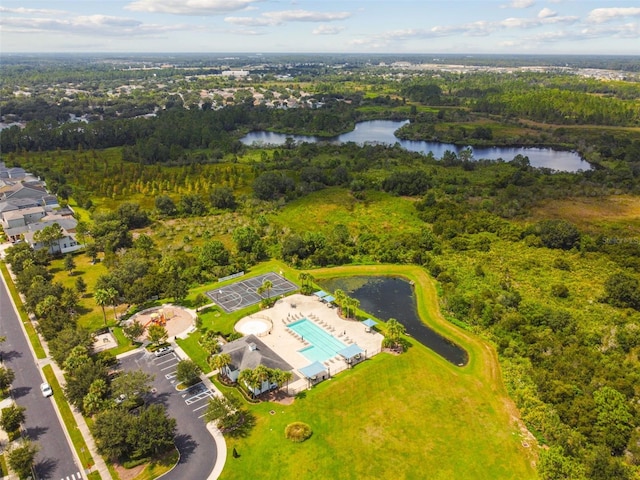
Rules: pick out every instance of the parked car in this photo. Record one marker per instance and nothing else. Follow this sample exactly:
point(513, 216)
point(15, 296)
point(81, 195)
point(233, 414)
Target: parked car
point(163, 351)
point(46, 389)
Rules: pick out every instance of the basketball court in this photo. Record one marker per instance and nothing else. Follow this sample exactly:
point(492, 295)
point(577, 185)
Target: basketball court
point(244, 293)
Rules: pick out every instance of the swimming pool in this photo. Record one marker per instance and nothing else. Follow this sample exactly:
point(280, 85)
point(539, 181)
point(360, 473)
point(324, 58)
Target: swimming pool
point(323, 345)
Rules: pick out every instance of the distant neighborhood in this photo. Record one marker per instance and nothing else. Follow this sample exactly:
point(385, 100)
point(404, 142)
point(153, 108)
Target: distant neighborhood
point(29, 213)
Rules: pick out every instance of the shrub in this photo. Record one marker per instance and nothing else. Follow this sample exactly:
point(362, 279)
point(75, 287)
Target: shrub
point(298, 432)
point(559, 290)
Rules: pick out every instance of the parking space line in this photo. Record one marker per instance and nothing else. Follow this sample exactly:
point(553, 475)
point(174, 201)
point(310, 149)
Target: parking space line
point(167, 368)
point(171, 375)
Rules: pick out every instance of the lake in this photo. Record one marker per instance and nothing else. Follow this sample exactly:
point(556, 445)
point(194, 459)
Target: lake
point(383, 131)
point(392, 297)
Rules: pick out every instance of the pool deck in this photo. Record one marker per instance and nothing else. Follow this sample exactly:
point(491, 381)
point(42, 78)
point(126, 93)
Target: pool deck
point(286, 343)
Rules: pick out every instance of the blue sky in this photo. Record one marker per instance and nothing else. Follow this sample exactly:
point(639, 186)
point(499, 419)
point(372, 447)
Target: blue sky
point(350, 26)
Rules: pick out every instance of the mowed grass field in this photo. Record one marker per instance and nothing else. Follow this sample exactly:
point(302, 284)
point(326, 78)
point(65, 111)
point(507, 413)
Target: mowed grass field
point(402, 417)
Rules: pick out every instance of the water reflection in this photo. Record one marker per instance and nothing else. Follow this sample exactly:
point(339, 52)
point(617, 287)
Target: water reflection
point(391, 297)
point(382, 131)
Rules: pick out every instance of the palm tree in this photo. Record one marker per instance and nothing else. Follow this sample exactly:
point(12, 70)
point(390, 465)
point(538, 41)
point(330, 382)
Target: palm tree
point(282, 377)
point(303, 277)
point(265, 287)
point(340, 298)
point(352, 304)
point(262, 374)
point(249, 379)
point(219, 362)
point(112, 293)
point(394, 330)
point(102, 296)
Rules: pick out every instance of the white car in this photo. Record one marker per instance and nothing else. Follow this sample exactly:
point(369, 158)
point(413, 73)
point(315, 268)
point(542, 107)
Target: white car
point(46, 390)
point(163, 351)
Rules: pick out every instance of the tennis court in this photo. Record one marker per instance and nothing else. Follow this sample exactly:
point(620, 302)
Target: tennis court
point(244, 293)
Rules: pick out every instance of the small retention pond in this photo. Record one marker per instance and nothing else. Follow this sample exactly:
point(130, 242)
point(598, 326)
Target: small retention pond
point(392, 297)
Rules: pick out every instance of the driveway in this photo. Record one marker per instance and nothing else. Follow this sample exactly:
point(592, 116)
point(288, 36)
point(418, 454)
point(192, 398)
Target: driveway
point(196, 445)
point(55, 459)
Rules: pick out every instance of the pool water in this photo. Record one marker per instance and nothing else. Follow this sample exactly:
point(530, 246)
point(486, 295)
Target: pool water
point(323, 345)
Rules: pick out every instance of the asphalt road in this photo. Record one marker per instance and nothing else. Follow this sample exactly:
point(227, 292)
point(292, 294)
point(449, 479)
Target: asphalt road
point(55, 459)
point(195, 443)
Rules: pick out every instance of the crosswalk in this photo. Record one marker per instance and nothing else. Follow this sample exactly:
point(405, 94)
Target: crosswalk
point(73, 476)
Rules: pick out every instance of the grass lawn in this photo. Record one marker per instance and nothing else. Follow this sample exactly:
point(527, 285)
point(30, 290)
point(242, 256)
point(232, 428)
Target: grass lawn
point(391, 417)
point(408, 416)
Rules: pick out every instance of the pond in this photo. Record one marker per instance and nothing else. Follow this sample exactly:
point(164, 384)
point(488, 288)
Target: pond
point(382, 131)
point(392, 297)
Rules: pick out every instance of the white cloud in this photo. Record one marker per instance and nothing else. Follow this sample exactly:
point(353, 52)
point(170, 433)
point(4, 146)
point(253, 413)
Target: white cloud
point(30, 11)
point(95, 25)
point(601, 15)
point(285, 16)
point(327, 30)
point(519, 4)
point(546, 13)
point(190, 7)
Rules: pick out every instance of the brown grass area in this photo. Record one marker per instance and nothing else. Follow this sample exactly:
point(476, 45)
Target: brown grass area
point(594, 213)
point(129, 473)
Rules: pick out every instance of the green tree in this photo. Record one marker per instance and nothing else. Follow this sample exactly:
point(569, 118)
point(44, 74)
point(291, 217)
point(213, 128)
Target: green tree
point(79, 383)
point(157, 333)
point(69, 263)
point(110, 431)
point(558, 234)
point(153, 432)
point(188, 372)
point(81, 286)
point(21, 458)
point(7, 376)
point(395, 330)
point(622, 290)
point(210, 343)
point(219, 362)
point(223, 198)
point(76, 357)
point(102, 298)
point(165, 206)
point(226, 412)
point(266, 286)
point(555, 465)
point(133, 330)
point(614, 421)
point(95, 400)
point(12, 417)
point(112, 299)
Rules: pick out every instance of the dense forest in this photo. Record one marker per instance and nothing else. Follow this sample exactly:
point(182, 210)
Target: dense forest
point(557, 294)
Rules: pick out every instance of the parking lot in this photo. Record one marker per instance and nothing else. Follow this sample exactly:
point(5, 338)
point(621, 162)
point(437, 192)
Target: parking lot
point(193, 439)
point(197, 396)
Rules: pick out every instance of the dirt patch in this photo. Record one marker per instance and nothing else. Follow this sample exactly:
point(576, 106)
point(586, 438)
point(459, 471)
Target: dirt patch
point(277, 396)
point(128, 473)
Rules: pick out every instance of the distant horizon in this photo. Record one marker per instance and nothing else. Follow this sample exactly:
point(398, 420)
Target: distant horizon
point(363, 54)
point(455, 27)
